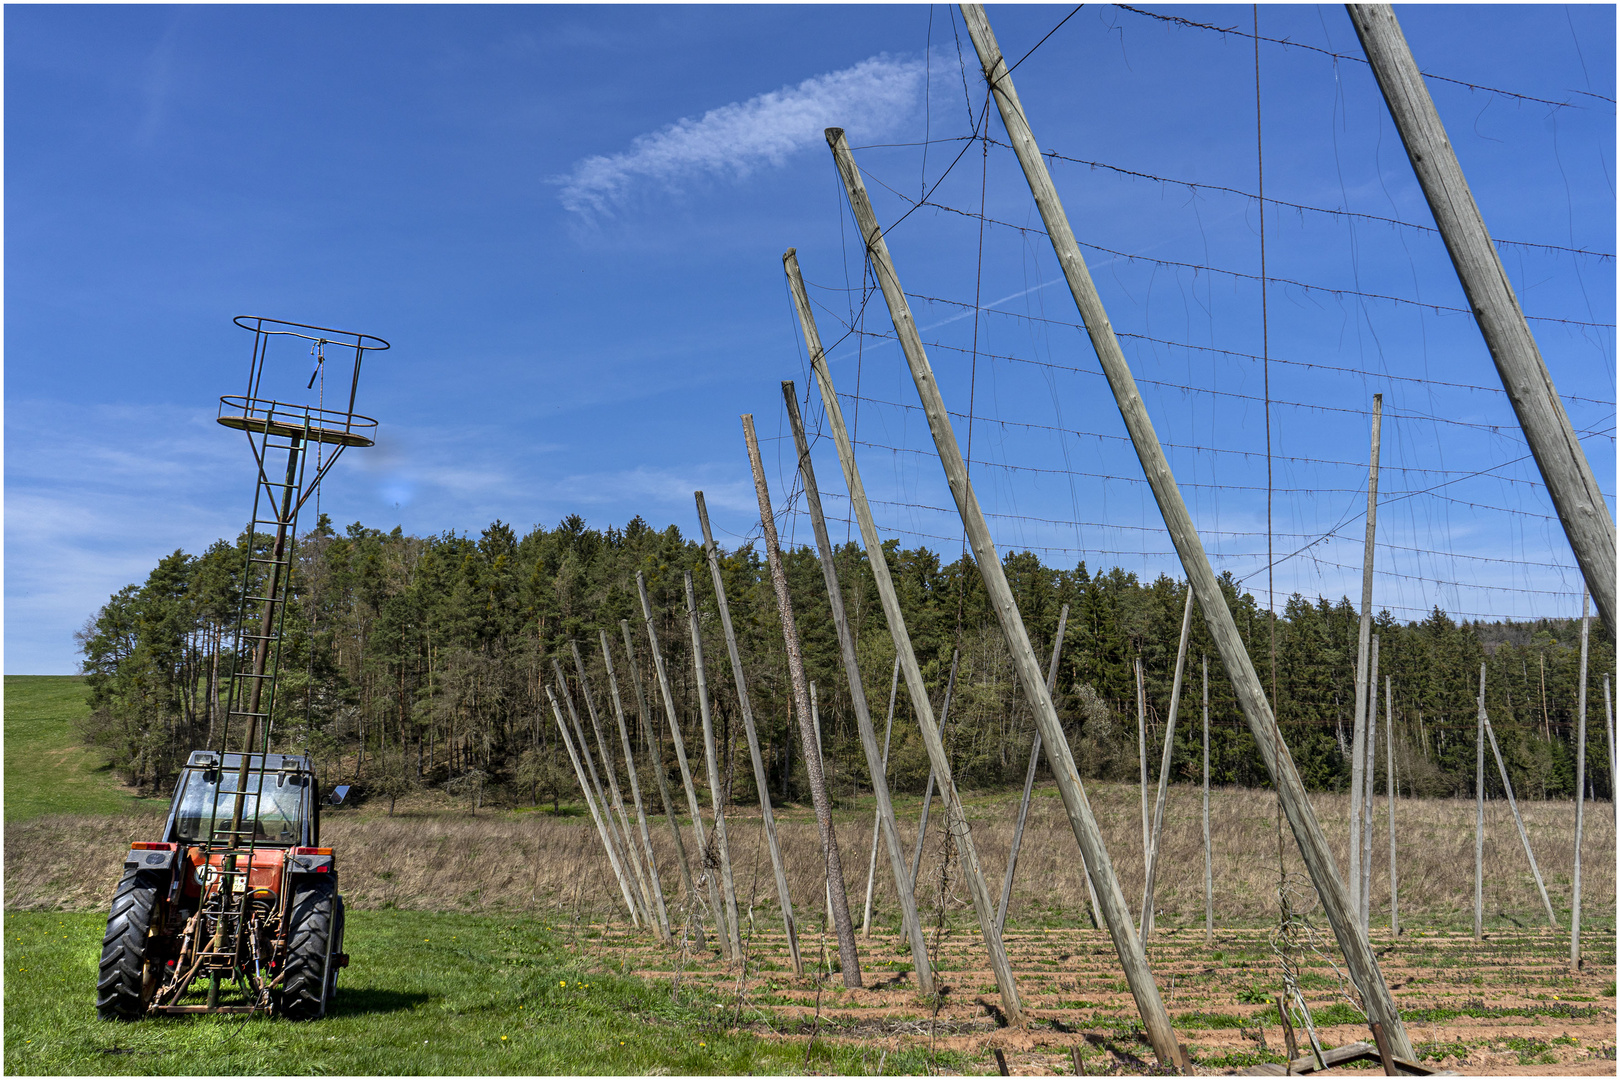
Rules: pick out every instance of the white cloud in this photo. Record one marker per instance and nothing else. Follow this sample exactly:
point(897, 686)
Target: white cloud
point(867, 100)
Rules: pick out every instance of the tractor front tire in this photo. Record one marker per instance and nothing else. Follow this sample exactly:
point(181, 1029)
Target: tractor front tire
point(127, 980)
point(311, 925)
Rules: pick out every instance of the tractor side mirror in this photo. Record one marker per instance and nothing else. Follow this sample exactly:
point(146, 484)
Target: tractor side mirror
point(336, 795)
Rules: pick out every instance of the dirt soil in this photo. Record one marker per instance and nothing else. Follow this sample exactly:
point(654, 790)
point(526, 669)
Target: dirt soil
point(1506, 1006)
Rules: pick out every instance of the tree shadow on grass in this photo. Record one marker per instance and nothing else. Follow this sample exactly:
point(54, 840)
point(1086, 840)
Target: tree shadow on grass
point(370, 1002)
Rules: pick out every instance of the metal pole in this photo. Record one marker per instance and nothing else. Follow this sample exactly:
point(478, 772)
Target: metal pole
point(1368, 782)
point(1155, 1020)
point(693, 919)
point(1164, 767)
point(711, 761)
point(1362, 964)
point(635, 792)
point(1524, 837)
point(922, 708)
point(1209, 874)
point(875, 762)
point(1029, 779)
point(1479, 814)
point(585, 790)
point(686, 771)
point(1558, 453)
point(1389, 800)
point(761, 781)
point(877, 816)
point(1580, 791)
point(1366, 688)
point(848, 957)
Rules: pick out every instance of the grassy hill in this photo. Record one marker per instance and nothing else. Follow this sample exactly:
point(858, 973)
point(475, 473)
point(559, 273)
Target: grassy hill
point(47, 770)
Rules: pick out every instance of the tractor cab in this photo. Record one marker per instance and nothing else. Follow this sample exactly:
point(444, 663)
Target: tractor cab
point(280, 807)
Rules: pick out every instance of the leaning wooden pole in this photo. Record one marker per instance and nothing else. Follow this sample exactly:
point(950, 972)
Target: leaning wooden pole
point(604, 748)
point(635, 792)
point(848, 956)
point(1580, 792)
point(585, 790)
point(877, 818)
point(1155, 1019)
point(1365, 687)
point(1164, 768)
point(698, 834)
point(694, 917)
point(1389, 801)
point(1362, 964)
point(928, 789)
point(922, 708)
point(1524, 836)
point(761, 780)
point(1479, 813)
point(711, 762)
point(1209, 870)
point(584, 748)
point(1141, 787)
point(1029, 779)
point(875, 762)
point(1564, 468)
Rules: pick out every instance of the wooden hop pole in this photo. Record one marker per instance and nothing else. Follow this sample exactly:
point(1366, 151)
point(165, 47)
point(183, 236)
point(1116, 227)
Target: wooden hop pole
point(922, 708)
point(1366, 688)
point(1029, 779)
point(1209, 874)
point(1141, 761)
point(875, 762)
point(1524, 837)
point(1580, 792)
point(1368, 781)
point(1479, 813)
point(590, 803)
point(877, 815)
point(1164, 768)
point(1564, 468)
point(849, 958)
point(761, 780)
point(635, 792)
point(928, 790)
point(668, 695)
point(1363, 965)
point(1389, 800)
point(694, 919)
point(711, 761)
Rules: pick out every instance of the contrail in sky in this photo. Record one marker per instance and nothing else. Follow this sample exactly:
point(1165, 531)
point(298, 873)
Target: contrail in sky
point(868, 100)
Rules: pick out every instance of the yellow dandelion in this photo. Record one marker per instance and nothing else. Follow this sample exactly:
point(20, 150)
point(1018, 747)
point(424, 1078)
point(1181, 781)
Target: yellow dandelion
point(562, 982)
point(503, 1038)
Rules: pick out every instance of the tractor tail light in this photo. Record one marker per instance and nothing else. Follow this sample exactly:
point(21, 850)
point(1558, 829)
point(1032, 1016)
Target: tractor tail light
point(148, 846)
point(312, 851)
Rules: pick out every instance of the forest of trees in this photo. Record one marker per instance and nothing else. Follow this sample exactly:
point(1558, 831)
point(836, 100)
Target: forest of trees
point(412, 662)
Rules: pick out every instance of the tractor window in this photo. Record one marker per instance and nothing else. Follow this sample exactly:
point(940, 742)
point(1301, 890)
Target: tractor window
point(273, 802)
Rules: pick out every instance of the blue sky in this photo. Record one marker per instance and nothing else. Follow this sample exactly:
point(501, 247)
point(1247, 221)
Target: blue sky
point(569, 222)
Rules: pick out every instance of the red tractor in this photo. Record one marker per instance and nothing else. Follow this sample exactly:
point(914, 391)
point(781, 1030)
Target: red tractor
point(239, 890)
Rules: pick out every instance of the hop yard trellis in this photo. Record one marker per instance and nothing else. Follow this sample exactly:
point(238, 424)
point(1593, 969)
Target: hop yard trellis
point(1345, 908)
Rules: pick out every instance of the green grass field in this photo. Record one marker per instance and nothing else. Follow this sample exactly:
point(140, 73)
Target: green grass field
point(425, 994)
point(47, 771)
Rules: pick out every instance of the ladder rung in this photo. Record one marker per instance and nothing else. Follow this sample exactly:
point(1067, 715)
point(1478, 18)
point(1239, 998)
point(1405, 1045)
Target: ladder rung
point(235, 712)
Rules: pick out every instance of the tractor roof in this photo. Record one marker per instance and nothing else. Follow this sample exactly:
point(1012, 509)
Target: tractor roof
point(292, 763)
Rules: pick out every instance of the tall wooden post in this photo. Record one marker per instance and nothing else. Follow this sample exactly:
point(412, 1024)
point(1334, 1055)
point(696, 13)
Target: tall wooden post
point(1580, 791)
point(1359, 958)
point(1524, 836)
point(584, 747)
point(928, 789)
point(922, 708)
point(668, 695)
point(1155, 1020)
point(1209, 871)
point(1479, 814)
point(1141, 788)
point(590, 803)
point(1389, 801)
point(627, 836)
point(1608, 733)
point(877, 816)
point(1558, 453)
point(1369, 781)
point(694, 916)
point(875, 762)
point(761, 780)
point(815, 722)
point(635, 792)
point(1164, 767)
point(1029, 779)
point(848, 957)
point(711, 761)
point(1366, 688)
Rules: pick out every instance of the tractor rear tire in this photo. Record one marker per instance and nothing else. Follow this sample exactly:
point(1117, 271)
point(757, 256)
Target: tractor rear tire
point(311, 925)
point(127, 981)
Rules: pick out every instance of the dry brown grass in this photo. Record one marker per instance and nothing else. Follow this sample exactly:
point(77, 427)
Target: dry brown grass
point(429, 859)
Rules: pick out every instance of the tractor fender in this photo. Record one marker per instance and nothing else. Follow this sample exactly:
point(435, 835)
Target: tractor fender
point(152, 856)
point(299, 863)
